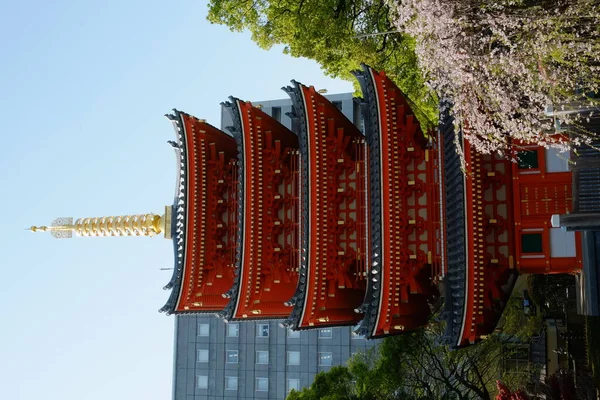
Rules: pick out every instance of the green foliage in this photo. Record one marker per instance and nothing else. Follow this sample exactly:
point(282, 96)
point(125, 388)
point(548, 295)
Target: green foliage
point(417, 366)
point(515, 323)
point(331, 32)
point(336, 384)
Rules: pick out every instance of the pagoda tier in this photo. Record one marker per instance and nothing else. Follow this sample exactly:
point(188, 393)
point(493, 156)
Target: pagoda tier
point(498, 222)
point(204, 217)
point(406, 236)
point(334, 262)
point(269, 214)
point(480, 220)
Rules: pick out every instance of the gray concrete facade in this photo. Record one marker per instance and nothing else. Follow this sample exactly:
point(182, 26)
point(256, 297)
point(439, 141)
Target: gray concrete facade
point(264, 361)
point(257, 360)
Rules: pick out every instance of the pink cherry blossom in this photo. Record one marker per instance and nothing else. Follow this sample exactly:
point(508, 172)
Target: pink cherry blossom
point(503, 63)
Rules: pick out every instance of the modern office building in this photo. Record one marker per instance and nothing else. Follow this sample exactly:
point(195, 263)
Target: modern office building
point(253, 359)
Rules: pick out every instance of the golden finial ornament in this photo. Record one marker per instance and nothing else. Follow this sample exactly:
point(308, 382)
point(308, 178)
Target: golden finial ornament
point(123, 225)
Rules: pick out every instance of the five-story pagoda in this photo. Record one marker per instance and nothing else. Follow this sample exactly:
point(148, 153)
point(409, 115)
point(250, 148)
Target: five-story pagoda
point(330, 225)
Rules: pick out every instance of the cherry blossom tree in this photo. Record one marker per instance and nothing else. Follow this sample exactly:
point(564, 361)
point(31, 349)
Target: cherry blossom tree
point(502, 63)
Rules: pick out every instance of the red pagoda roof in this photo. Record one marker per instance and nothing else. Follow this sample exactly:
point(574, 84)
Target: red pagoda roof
point(481, 246)
point(405, 212)
point(269, 232)
point(334, 213)
point(204, 216)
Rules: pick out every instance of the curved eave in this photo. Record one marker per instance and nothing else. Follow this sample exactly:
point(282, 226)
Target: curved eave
point(484, 306)
point(389, 126)
point(320, 325)
point(310, 111)
point(466, 318)
point(179, 213)
point(370, 111)
point(238, 133)
point(250, 298)
point(456, 281)
point(298, 116)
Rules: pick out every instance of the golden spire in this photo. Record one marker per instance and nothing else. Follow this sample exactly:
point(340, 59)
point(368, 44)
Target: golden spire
point(124, 225)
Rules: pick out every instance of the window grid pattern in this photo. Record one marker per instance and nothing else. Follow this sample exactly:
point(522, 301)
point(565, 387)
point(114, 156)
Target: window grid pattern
point(231, 356)
point(262, 330)
point(233, 330)
point(202, 356)
point(262, 357)
point(201, 382)
point(263, 335)
point(325, 359)
point(292, 384)
point(325, 333)
point(203, 330)
point(262, 384)
point(293, 358)
point(231, 383)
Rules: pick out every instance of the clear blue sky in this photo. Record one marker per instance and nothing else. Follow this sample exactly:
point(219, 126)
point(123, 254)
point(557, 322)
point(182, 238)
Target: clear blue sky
point(83, 90)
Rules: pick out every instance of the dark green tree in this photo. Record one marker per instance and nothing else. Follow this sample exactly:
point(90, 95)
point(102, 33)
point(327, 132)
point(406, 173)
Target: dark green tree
point(417, 366)
point(338, 34)
point(336, 384)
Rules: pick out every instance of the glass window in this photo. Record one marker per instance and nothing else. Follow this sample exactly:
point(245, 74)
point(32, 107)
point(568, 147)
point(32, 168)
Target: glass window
point(293, 334)
point(231, 383)
point(293, 358)
point(276, 113)
point(231, 357)
point(201, 382)
point(262, 357)
point(325, 333)
point(233, 330)
point(337, 104)
point(531, 243)
point(203, 329)
point(527, 159)
point(203, 355)
point(325, 359)
point(293, 384)
point(262, 330)
point(262, 384)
